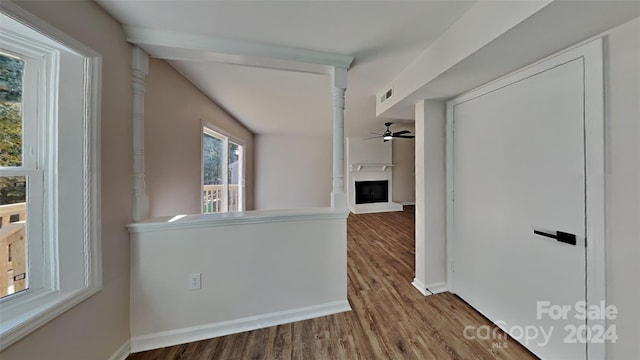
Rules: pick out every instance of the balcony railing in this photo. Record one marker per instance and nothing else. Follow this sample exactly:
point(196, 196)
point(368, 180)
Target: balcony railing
point(12, 248)
point(213, 198)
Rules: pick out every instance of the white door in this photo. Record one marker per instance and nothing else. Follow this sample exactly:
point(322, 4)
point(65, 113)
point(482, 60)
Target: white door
point(519, 168)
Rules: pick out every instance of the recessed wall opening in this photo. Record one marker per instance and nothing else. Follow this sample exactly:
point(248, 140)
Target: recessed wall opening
point(368, 192)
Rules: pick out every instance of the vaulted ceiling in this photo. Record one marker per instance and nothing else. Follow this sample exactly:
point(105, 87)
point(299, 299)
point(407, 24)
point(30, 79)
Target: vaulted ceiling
point(386, 38)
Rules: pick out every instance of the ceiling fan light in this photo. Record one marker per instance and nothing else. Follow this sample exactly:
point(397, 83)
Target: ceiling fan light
point(388, 137)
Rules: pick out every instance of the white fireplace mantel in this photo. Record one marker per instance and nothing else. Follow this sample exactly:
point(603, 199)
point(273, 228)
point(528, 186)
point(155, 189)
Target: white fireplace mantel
point(369, 161)
point(370, 167)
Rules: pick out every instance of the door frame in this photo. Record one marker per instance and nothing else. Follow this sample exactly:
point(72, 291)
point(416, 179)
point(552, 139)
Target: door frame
point(591, 54)
point(223, 135)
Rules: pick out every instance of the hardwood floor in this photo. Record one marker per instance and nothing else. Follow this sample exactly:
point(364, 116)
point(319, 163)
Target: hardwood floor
point(390, 318)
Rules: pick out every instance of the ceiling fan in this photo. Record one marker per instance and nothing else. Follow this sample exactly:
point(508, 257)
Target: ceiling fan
point(388, 134)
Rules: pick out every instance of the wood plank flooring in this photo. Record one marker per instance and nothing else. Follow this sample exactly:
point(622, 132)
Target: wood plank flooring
point(390, 318)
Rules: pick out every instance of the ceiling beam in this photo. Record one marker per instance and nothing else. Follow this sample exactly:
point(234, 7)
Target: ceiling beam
point(170, 45)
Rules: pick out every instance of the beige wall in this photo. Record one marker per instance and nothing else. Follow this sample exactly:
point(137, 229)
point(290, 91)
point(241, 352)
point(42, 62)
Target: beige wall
point(174, 110)
point(96, 328)
point(293, 171)
point(404, 173)
point(623, 186)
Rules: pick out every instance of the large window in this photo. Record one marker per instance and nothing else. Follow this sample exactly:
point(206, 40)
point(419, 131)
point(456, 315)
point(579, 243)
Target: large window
point(49, 244)
point(222, 173)
point(16, 169)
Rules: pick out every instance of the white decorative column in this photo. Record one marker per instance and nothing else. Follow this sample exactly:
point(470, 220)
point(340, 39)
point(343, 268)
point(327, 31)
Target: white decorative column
point(430, 197)
point(339, 82)
point(140, 67)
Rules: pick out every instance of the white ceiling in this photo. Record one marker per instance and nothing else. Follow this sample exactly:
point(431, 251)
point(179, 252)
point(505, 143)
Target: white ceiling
point(556, 27)
point(384, 37)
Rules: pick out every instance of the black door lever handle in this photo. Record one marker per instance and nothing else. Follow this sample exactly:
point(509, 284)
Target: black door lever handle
point(561, 236)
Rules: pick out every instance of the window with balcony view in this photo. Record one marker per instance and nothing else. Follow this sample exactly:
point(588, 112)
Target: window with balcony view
point(222, 173)
point(13, 182)
point(49, 192)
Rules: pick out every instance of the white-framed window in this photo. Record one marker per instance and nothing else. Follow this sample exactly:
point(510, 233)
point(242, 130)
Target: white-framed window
point(21, 171)
point(222, 172)
point(49, 173)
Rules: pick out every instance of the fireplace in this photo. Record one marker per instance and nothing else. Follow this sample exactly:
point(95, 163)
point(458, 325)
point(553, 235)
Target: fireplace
point(368, 192)
point(370, 177)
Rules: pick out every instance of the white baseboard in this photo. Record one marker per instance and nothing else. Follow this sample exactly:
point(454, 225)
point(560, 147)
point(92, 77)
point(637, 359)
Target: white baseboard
point(208, 331)
point(431, 289)
point(408, 203)
point(375, 207)
point(436, 288)
point(421, 287)
point(122, 352)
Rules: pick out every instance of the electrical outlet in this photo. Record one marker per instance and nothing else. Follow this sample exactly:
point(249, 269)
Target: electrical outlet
point(195, 281)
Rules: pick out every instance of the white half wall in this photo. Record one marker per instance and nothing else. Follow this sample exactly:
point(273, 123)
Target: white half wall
point(292, 171)
point(430, 211)
point(258, 269)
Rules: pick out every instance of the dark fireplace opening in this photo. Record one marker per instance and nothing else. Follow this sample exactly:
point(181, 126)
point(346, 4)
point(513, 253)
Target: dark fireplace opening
point(368, 192)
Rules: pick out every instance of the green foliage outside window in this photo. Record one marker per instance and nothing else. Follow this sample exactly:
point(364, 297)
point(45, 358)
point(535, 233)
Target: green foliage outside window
point(11, 79)
point(12, 189)
point(212, 158)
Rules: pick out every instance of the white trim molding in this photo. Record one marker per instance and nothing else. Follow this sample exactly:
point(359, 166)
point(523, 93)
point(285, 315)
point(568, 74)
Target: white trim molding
point(370, 167)
point(431, 289)
point(594, 133)
point(437, 288)
point(123, 351)
point(208, 331)
point(421, 287)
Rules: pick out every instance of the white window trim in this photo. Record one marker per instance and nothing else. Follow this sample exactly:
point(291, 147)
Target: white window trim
point(241, 195)
point(217, 132)
point(23, 313)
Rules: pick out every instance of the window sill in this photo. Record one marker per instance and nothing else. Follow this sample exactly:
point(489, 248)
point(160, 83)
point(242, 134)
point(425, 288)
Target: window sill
point(17, 322)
